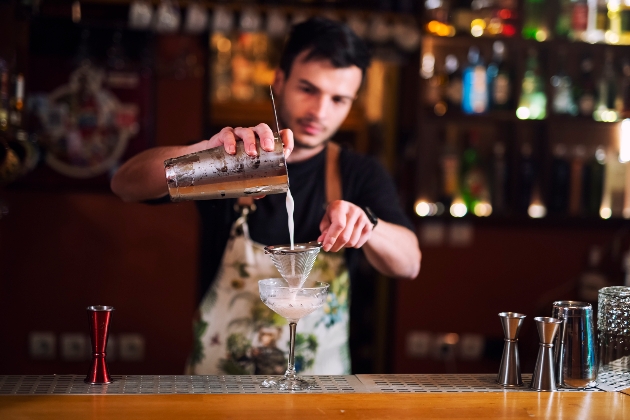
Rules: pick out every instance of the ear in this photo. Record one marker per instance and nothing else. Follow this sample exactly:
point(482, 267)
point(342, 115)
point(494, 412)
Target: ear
point(279, 81)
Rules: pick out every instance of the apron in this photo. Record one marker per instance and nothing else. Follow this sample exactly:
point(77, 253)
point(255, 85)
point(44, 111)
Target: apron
point(236, 334)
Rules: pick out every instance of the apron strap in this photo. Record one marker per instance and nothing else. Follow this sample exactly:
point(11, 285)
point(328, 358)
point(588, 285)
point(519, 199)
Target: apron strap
point(333, 174)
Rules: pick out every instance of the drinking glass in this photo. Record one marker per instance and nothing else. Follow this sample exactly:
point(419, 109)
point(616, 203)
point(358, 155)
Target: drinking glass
point(292, 304)
point(613, 325)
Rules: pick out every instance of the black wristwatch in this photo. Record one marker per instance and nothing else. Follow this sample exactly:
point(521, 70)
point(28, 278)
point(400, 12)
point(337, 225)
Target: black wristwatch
point(370, 214)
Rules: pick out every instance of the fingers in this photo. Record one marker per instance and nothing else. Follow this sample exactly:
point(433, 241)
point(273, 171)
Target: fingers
point(265, 135)
point(249, 140)
point(344, 225)
point(226, 138)
point(287, 140)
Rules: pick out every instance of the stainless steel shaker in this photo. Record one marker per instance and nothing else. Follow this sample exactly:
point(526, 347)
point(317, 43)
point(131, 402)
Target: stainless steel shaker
point(214, 174)
point(575, 353)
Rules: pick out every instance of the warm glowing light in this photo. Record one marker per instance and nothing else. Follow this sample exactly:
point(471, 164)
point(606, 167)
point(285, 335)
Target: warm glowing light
point(522, 113)
point(624, 141)
point(458, 209)
point(428, 66)
point(451, 338)
point(541, 35)
point(423, 208)
point(440, 109)
point(605, 213)
point(537, 211)
point(600, 155)
point(611, 37)
point(224, 45)
point(509, 30)
point(483, 209)
point(605, 115)
point(476, 27)
point(505, 13)
point(434, 26)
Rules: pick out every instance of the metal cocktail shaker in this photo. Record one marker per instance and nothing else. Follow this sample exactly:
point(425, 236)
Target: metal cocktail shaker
point(575, 352)
point(213, 173)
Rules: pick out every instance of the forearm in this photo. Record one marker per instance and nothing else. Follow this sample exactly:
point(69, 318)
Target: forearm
point(393, 250)
point(143, 178)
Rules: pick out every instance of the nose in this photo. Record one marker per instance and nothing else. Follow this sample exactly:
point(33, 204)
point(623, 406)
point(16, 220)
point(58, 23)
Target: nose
point(319, 107)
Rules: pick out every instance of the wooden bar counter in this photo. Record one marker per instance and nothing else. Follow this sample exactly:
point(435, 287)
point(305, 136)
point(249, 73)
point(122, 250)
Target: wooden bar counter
point(356, 397)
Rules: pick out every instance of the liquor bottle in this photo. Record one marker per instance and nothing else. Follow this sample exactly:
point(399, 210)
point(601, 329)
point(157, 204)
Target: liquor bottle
point(499, 190)
point(580, 15)
point(499, 80)
point(453, 89)
point(526, 178)
point(619, 14)
point(533, 101)
point(563, 101)
point(606, 108)
point(434, 92)
point(593, 182)
point(592, 278)
point(475, 84)
point(577, 177)
point(560, 178)
point(625, 86)
point(450, 163)
point(474, 184)
point(563, 22)
point(585, 91)
point(535, 22)
point(4, 95)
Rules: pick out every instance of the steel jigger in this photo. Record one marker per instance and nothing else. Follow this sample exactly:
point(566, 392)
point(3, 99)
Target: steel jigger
point(544, 378)
point(510, 370)
point(98, 318)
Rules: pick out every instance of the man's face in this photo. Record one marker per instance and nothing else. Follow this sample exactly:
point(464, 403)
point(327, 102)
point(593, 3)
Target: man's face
point(315, 99)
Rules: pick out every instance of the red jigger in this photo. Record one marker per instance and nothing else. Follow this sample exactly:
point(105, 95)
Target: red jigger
point(98, 318)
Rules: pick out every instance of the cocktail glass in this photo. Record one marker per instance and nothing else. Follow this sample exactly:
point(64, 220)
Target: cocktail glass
point(292, 303)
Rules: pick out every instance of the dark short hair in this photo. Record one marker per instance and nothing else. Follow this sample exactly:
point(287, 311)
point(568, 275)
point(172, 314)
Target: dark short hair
point(326, 39)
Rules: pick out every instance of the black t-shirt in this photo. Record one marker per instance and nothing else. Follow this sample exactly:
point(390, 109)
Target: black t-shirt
point(364, 182)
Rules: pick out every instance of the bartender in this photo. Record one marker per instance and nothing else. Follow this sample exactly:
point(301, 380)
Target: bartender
point(342, 199)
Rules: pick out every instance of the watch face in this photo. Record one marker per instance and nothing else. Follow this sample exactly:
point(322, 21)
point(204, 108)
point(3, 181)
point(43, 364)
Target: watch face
point(370, 214)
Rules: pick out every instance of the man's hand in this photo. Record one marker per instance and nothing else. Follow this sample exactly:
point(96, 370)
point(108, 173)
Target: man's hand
point(228, 137)
point(344, 224)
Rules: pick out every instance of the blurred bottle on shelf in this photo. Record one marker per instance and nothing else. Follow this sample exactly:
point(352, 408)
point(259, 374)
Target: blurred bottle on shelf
point(435, 91)
point(453, 89)
point(475, 84)
point(593, 182)
point(560, 178)
point(533, 101)
point(625, 86)
point(535, 24)
point(4, 95)
point(450, 166)
point(563, 101)
point(598, 22)
point(577, 178)
point(585, 89)
point(499, 79)
point(474, 183)
point(579, 14)
point(592, 278)
point(619, 14)
point(499, 179)
point(526, 177)
point(608, 103)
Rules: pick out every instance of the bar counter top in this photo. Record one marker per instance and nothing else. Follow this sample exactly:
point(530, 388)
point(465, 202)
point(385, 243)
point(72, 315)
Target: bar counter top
point(348, 397)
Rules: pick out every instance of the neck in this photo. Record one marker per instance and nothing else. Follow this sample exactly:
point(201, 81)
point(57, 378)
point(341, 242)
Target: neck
point(300, 154)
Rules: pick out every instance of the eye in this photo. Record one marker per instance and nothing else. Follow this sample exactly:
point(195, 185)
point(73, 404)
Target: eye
point(306, 89)
point(339, 100)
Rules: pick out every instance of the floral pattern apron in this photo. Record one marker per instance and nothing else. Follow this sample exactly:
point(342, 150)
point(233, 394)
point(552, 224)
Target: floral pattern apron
point(237, 334)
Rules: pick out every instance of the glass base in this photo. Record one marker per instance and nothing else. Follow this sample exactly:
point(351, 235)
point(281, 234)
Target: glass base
point(284, 383)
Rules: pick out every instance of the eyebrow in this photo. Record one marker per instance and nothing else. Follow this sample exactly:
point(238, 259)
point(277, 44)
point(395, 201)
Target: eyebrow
point(312, 86)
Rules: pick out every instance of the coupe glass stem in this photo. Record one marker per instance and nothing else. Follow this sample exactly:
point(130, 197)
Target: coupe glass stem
point(290, 373)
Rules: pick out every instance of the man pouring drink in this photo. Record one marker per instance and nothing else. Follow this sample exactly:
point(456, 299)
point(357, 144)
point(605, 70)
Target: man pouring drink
point(345, 201)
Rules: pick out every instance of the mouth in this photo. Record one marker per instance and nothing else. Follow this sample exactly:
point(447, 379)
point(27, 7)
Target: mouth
point(310, 128)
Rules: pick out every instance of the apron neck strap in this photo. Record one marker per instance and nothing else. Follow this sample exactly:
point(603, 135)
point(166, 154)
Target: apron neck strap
point(333, 174)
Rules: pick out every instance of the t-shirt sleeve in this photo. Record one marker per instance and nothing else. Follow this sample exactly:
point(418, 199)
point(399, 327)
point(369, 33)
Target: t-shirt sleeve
point(375, 189)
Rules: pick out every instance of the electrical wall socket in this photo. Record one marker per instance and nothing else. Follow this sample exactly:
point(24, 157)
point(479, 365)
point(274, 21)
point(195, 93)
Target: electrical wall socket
point(130, 347)
point(418, 344)
point(42, 345)
point(73, 347)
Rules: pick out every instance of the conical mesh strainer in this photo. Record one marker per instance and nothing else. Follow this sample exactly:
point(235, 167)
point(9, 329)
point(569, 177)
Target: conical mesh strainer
point(294, 265)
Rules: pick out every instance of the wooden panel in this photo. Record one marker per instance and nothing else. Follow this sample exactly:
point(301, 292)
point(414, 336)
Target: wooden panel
point(604, 405)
